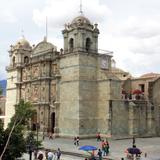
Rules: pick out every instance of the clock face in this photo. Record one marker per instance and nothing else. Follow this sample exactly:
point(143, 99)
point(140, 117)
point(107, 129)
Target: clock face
point(104, 64)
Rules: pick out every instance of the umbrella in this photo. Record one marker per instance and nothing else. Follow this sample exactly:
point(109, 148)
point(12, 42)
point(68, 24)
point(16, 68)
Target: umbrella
point(134, 150)
point(137, 91)
point(88, 148)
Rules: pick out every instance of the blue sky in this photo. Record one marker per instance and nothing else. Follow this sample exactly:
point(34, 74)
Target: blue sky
point(131, 29)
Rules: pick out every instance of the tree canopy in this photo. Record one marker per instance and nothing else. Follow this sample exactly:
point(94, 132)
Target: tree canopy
point(12, 141)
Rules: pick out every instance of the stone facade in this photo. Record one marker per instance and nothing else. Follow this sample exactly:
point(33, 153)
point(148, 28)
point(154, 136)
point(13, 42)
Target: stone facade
point(154, 88)
point(75, 91)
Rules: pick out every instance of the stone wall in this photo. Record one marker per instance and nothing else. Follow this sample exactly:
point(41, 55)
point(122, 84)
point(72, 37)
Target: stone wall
point(129, 118)
point(156, 103)
point(68, 120)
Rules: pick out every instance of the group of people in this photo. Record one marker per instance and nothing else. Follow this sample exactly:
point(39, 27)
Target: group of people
point(103, 151)
point(104, 145)
point(48, 155)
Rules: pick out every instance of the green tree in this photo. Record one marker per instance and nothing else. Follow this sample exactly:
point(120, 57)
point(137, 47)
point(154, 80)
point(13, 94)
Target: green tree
point(31, 140)
point(1, 90)
point(15, 144)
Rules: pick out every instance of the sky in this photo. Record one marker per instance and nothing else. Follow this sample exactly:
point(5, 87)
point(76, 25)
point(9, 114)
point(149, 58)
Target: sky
point(129, 28)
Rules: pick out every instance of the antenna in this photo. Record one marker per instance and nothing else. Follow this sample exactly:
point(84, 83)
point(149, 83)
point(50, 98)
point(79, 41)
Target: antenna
point(46, 29)
point(22, 33)
point(80, 11)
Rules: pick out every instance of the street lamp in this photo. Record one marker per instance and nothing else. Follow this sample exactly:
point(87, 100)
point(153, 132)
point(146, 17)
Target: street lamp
point(30, 149)
point(37, 127)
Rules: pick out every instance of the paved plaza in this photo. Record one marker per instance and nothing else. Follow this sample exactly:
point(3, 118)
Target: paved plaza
point(151, 146)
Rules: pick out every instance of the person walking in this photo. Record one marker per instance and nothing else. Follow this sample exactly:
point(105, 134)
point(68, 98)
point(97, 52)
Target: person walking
point(50, 155)
point(40, 155)
point(99, 154)
point(58, 154)
point(75, 141)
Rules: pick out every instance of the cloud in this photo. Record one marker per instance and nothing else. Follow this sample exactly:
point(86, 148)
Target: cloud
point(60, 12)
point(141, 27)
point(146, 46)
point(7, 16)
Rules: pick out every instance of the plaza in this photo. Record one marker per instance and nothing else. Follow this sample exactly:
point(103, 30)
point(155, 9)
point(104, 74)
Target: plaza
point(151, 146)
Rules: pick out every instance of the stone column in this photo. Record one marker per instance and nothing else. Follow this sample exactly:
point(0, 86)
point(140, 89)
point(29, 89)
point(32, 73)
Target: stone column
point(150, 120)
point(57, 104)
point(133, 122)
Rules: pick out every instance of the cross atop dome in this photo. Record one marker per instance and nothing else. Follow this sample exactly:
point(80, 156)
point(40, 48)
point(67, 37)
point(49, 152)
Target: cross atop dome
point(80, 11)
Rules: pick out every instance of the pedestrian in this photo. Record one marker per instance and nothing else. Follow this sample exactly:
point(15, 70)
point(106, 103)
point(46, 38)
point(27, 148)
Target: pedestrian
point(106, 149)
point(98, 136)
point(99, 154)
point(50, 135)
point(50, 155)
point(35, 153)
point(145, 155)
point(103, 147)
point(77, 141)
point(92, 157)
point(46, 153)
point(58, 154)
point(40, 155)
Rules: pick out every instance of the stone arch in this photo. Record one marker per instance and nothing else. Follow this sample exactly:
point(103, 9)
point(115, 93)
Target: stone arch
point(71, 44)
point(88, 44)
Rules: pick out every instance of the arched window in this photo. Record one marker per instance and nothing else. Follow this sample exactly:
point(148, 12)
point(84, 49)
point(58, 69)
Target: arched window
point(71, 44)
point(26, 59)
point(88, 44)
point(13, 61)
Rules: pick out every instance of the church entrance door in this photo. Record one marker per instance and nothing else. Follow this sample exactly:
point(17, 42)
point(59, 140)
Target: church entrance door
point(52, 122)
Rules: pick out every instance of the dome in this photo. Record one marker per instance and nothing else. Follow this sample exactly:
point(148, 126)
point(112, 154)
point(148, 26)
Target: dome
point(44, 46)
point(81, 20)
point(22, 43)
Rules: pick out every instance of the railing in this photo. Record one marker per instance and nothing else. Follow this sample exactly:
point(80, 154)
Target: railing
point(80, 49)
point(102, 51)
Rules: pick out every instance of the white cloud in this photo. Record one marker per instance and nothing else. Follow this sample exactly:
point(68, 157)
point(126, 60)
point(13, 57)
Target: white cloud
point(7, 16)
point(131, 29)
point(141, 27)
point(62, 11)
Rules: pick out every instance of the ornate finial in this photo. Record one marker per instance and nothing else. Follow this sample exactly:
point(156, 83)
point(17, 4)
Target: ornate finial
point(80, 11)
point(46, 29)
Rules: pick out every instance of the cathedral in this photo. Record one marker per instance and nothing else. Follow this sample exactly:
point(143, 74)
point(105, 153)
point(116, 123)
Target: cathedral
point(75, 91)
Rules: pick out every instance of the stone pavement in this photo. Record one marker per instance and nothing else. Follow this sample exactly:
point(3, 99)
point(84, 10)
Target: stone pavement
point(151, 146)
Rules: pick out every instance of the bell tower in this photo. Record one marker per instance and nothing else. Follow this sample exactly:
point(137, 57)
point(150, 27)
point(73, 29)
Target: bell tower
point(19, 55)
point(80, 36)
point(78, 70)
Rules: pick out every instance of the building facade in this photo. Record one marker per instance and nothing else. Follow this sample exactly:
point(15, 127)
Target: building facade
point(74, 91)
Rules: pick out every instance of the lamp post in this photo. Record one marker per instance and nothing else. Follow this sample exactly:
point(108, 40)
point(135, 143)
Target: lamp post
point(37, 127)
point(30, 149)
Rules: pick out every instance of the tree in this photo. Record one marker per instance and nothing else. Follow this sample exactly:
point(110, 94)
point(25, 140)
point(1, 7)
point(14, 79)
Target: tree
point(1, 91)
point(13, 135)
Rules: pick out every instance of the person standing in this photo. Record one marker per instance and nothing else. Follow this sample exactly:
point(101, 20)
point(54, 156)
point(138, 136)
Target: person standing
point(77, 140)
point(98, 136)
